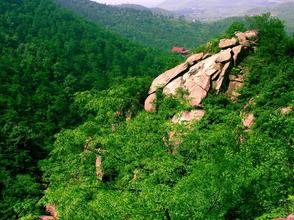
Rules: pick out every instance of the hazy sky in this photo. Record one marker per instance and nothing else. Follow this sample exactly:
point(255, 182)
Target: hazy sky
point(149, 3)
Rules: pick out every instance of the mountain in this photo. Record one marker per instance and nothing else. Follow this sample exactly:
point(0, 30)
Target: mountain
point(150, 27)
point(283, 11)
point(47, 54)
point(225, 155)
point(77, 143)
point(216, 9)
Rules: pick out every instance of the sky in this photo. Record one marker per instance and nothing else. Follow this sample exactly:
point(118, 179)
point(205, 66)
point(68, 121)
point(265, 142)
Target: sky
point(148, 3)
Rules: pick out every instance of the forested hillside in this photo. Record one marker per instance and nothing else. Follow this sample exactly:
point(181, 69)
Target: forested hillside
point(75, 138)
point(283, 11)
point(122, 162)
point(46, 55)
point(147, 27)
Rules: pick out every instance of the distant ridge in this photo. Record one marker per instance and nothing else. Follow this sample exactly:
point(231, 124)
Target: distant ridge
point(217, 9)
point(152, 27)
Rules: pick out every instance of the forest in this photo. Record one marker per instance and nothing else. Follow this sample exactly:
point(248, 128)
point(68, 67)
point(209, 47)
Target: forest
point(148, 27)
point(47, 55)
point(72, 92)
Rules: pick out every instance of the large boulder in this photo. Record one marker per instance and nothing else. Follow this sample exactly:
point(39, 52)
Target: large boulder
point(149, 103)
point(194, 58)
point(247, 38)
point(236, 53)
point(225, 43)
point(172, 87)
point(163, 79)
point(224, 56)
point(251, 34)
point(210, 65)
point(196, 94)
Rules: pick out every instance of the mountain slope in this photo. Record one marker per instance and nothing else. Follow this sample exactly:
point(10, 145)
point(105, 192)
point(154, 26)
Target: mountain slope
point(126, 163)
point(146, 26)
point(48, 54)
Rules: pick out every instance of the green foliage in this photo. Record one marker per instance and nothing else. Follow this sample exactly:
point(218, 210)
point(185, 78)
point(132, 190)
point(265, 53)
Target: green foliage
point(62, 74)
point(148, 27)
point(236, 26)
point(218, 171)
point(48, 54)
point(272, 35)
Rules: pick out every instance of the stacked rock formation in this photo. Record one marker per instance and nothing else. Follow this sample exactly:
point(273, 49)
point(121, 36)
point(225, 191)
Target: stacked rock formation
point(202, 72)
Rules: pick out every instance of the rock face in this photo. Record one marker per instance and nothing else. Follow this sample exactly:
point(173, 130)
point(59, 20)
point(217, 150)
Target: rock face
point(51, 209)
point(247, 38)
point(149, 103)
point(203, 72)
point(163, 79)
point(225, 43)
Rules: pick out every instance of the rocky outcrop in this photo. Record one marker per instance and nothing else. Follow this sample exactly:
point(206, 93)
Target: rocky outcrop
point(248, 121)
point(51, 209)
point(225, 43)
point(165, 78)
point(203, 72)
point(247, 38)
point(149, 103)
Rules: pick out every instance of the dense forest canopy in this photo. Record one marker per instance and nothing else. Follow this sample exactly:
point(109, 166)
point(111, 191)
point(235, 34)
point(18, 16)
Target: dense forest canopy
point(220, 170)
point(60, 74)
point(48, 54)
point(148, 27)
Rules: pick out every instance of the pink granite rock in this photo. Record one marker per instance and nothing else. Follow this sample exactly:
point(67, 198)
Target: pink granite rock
point(173, 86)
point(203, 81)
point(286, 110)
point(196, 95)
point(149, 103)
point(245, 37)
point(225, 43)
point(290, 217)
point(249, 121)
point(194, 58)
point(224, 56)
point(219, 83)
point(225, 68)
point(209, 65)
point(51, 209)
point(251, 34)
point(163, 79)
point(46, 217)
point(99, 171)
point(236, 52)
